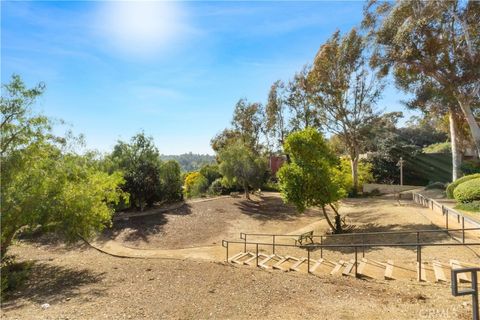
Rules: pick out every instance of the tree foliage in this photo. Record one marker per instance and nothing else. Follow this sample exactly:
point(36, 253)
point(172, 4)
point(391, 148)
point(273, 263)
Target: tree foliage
point(148, 179)
point(241, 166)
point(195, 184)
point(345, 92)
point(433, 47)
point(43, 184)
point(312, 177)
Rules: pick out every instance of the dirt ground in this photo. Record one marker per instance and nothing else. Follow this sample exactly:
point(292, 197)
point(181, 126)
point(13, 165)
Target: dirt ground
point(80, 282)
point(208, 223)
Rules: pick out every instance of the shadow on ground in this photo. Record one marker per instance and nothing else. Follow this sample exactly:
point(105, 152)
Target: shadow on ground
point(271, 208)
point(49, 284)
point(409, 237)
point(140, 228)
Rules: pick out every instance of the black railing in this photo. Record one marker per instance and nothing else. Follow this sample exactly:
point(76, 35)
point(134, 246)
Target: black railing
point(446, 211)
point(362, 235)
point(310, 247)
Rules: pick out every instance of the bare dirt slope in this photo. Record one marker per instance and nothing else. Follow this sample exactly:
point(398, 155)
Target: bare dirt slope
point(207, 223)
point(82, 283)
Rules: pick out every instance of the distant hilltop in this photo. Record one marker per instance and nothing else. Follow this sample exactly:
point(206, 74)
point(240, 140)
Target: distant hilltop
point(190, 161)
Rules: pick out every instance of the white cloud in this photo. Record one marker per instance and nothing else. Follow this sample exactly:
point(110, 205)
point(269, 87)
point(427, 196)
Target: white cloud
point(143, 28)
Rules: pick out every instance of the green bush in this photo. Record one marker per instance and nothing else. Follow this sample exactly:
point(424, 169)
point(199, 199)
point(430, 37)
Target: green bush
point(216, 188)
point(441, 147)
point(451, 187)
point(13, 275)
point(473, 206)
point(195, 185)
point(468, 191)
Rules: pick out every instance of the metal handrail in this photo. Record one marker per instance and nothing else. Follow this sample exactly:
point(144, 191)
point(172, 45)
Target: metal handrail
point(421, 199)
point(242, 234)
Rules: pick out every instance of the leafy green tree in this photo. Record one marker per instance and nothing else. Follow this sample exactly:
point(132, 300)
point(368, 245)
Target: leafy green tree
point(312, 177)
point(436, 42)
point(300, 104)
point(43, 184)
point(241, 166)
point(364, 174)
point(224, 138)
point(170, 181)
point(211, 172)
point(345, 92)
point(248, 120)
point(140, 162)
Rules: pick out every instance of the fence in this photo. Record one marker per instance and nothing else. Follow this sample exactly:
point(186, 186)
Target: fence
point(446, 211)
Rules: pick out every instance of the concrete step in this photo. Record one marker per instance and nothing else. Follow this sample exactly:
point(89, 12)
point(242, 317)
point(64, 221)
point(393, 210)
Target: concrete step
point(388, 275)
point(371, 269)
point(439, 271)
point(268, 262)
point(347, 270)
point(285, 263)
point(337, 267)
point(253, 260)
point(240, 258)
point(296, 265)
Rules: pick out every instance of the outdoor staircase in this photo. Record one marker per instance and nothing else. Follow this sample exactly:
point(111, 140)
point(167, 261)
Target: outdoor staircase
point(431, 271)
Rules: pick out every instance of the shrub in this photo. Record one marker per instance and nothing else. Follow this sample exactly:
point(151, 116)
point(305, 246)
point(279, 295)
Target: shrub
point(211, 172)
point(195, 185)
point(13, 275)
point(364, 174)
point(451, 187)
point(441, 147)
point(468, 191)
point(170, 181)
point(217, 187)
point(473, 206)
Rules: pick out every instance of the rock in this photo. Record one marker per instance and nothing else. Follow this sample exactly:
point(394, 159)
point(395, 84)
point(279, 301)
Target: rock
point(45, 306)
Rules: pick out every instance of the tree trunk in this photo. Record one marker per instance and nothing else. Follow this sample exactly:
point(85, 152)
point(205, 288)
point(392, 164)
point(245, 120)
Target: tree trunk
point(456, 152)
point(334, 230)
point(354, 164)
point(245, 187)
point(338, 220)
point(472, 123)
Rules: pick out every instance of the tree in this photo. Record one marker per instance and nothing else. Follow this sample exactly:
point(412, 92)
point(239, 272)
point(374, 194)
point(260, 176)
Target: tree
point(241, 166)
point(140, 162)
point(44, 185)
point(211, 172)
point(224, 138)
point(312, 178)
point(432, 41)
point(170, 181)
point(247, 120)
point(275, 124)
point(19, 126)
point(303, 111)
point(345, 92)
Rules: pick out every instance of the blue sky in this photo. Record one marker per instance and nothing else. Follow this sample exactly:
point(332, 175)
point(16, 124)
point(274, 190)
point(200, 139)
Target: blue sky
point(173, 69)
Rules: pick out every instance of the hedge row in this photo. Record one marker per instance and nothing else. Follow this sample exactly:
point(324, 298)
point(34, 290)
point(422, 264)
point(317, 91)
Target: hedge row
point(468, 191)
point(451, 187)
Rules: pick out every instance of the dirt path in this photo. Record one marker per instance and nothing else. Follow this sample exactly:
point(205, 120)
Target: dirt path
point(368, 214)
